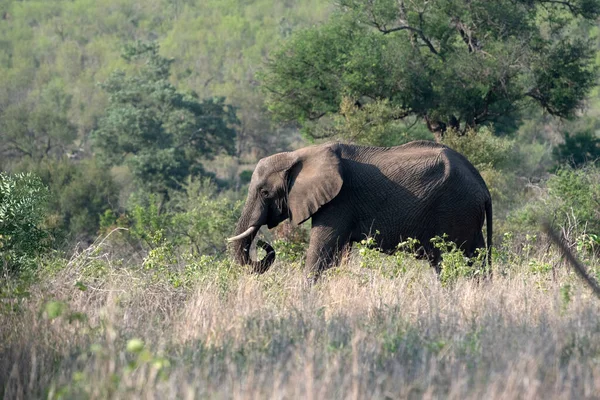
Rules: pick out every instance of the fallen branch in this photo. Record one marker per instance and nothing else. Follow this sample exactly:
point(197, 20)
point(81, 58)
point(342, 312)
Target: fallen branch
point(579, 267)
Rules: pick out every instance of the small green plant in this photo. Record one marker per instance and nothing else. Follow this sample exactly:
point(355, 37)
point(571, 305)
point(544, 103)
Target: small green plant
point(539, 267)
point(369, 252)
point(588, 242)
point(161, 259)
point(143, 356)
point(566, 295)
point(55, 309)
point(389, 267)
point(23, 237)
point(291, 242)
point(201, 216)
point(454, 263)
point(529, 244)
point(288, 251)
point(148, 222)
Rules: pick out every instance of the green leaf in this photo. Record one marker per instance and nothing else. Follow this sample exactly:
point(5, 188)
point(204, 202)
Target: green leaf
point(54, 309)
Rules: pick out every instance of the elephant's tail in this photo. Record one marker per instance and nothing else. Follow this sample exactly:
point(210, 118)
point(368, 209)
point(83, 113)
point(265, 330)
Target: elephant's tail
point(488, 218)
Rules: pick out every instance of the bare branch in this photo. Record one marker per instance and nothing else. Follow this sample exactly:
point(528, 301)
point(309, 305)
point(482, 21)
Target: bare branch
point(579, 267)
point(419, 32)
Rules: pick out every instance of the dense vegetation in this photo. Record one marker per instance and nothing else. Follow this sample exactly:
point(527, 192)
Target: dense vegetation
point(128, 133)
point(454, 64)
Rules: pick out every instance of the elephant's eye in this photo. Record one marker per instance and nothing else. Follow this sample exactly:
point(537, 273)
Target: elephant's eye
point(264, 193)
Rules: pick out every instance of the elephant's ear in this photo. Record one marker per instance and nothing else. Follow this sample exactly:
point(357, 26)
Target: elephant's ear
point(314, 180)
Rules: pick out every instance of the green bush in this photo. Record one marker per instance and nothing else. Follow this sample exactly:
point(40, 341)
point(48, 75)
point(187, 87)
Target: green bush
point(375, 123)
point(454, 262)
point(578, 148)
point(80, 192)
point(575, 195)
point(194, 221)
point(23, 200)
point(203, 217)
point(570, 200)
point(496, 158)
point(485, 150)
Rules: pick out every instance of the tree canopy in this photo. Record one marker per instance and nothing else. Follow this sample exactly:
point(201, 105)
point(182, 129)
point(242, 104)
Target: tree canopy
point(53, 53)
point(160, 133)
point(450, 63)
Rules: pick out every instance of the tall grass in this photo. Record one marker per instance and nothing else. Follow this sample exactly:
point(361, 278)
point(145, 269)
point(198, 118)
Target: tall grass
point(95, 327)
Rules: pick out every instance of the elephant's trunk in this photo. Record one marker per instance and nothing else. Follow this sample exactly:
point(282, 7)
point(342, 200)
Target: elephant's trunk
point(241, 248)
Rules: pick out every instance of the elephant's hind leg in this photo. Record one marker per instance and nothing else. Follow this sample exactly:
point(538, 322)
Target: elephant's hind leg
point(473, 252)
point(434, 256)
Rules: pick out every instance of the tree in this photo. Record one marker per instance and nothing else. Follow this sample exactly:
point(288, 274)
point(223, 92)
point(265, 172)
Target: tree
point(38, 127)
point(450, 63)
point(78, 194)
point(161, 134)
point(578, 149)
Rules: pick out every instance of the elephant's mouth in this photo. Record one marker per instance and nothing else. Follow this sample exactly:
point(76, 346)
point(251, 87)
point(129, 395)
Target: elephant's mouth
point(242, 243)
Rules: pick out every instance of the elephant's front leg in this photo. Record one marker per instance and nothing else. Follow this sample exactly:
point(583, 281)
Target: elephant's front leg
point(325, 249)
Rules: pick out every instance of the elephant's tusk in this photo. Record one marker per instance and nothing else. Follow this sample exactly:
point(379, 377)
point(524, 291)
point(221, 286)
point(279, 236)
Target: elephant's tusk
point(247, 233)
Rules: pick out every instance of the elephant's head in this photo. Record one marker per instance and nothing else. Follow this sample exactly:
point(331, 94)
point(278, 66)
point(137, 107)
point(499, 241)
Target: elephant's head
point(286, 185)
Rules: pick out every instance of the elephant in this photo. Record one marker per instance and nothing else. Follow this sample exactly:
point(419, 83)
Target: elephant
point(418, 190)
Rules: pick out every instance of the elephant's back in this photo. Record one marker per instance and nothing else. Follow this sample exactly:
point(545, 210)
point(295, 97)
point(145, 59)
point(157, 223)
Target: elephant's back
point(423, 168)
point(456, 167)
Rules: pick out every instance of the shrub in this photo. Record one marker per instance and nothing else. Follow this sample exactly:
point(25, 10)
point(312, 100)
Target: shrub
point(484, 150)
point(576, 193)
point(578, 149)
point(496, 158)
point(23, 200)
point(195, 221)
point(454, 263)
point(202, 217)
point(376, 123)
point(291, 242)
point(79, 194)
point(570, 200)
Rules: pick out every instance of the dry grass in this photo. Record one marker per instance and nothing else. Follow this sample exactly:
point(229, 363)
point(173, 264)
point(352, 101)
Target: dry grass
point(358, 334)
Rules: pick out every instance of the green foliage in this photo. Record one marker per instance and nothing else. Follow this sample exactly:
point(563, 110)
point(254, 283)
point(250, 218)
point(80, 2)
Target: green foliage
point(22, 211)
point(378, 123)
point(496, 159)
point(454, 263)
point(145, 220)
point(576, 193)
point(568, 199)
point(202, 217)
point(66, 47)
point(159, 133)
point(220, 44)
point(79, 194)
point(578, 149)
point(453, 64)
point(291, 242)
point(483, 149)
point(589, 243)
point(38, 127)
point(245, 176)
point(183, 236)
point(289, 251)
point(390, 267)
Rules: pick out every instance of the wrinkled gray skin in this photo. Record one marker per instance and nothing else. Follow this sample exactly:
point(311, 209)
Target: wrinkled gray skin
point(419, 190)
